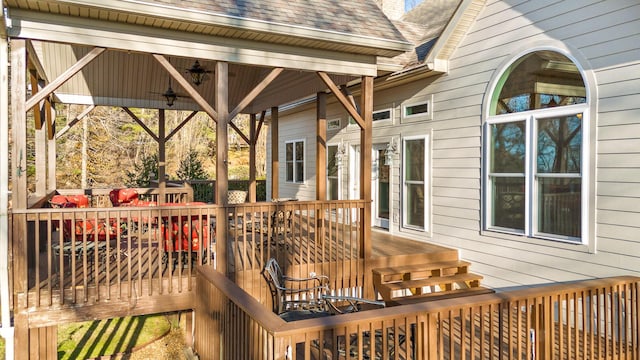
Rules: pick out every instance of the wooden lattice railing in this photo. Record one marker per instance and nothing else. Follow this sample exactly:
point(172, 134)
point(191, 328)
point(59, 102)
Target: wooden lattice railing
point(592, 319)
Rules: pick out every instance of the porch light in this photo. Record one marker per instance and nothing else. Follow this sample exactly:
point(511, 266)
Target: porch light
point(170, 95)
point(197, 73)
point(389, 153)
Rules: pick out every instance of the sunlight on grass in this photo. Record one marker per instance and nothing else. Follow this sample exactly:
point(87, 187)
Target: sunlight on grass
point(92, 339)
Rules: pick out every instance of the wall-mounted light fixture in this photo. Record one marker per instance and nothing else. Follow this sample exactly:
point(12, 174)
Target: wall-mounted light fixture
point(197, 73)
point(390, 152)
point(340, 155)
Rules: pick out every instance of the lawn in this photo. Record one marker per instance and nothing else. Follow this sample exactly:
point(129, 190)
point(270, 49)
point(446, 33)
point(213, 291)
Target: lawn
point(93, 339)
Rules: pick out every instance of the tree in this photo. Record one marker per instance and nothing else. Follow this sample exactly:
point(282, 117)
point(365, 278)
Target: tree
point(148, 171)
point(190, 167)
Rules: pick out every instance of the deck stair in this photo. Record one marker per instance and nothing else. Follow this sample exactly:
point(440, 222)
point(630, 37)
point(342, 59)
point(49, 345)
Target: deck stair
point(434, 279)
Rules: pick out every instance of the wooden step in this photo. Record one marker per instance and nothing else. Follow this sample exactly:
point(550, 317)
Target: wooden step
point(419, 271)
point(391, 290)
point(439, 296)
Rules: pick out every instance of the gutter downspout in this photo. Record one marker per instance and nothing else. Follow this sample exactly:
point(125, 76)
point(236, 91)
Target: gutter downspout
point(6, 330)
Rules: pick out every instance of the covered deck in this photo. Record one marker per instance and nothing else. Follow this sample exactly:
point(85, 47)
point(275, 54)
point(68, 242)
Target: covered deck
point(105, 261)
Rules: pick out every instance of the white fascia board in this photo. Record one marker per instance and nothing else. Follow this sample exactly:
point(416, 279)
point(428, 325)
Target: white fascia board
point(435, 59)
point(48, 27)
point(166, 11)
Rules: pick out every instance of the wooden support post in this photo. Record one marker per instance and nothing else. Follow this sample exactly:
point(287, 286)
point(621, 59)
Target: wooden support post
point(275, 164)
point(321, 164)
point(18, 125)
point(19, 196)
point(85, 139)
point(321, 146)
point(253, 137)
point(21, 345)
point(162, 161)
point(43, 343)
point(51, 149)
point(366, 147)
point(222, 180)
point(41, 161)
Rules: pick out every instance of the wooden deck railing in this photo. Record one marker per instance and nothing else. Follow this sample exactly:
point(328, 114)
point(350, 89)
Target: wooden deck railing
point(87, 256)
point(100, 197)
point(593, 319)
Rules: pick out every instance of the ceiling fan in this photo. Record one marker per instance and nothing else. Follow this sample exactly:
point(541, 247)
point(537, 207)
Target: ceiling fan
point(170, 95)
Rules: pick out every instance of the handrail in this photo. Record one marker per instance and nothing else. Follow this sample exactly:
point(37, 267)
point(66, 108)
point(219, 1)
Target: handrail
point(537, 322)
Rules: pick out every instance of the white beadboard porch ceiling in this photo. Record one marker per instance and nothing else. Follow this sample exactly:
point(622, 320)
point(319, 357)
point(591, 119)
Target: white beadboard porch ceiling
point(137, 80)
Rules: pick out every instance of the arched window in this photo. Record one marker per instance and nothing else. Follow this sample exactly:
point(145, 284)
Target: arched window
point(535, 153)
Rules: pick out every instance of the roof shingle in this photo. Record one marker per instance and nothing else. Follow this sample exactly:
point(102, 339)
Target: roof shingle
point(357, 17)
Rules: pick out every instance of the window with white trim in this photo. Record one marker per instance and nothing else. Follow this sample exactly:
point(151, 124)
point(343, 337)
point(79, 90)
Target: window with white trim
point(416, 109)
point(535, 149)
point(382, 116)
point(415, 187)
point(295, 161)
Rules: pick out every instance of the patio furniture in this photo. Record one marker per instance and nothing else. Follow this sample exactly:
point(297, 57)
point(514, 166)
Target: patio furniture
point(311, 295)
point(78, 250)
point(185, 234)
point(70, 201)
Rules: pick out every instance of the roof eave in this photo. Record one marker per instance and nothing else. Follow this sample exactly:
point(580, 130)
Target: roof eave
point(453, 33)
point(384, 47)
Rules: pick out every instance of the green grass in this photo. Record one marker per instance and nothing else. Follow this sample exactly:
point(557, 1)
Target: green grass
point(92, 339)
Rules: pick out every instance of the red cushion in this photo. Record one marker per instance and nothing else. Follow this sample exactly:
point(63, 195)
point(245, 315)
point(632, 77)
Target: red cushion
point(81, 201)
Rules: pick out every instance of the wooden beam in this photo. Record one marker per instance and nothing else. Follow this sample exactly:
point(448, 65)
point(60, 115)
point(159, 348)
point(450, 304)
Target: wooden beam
point(275, 164)
point(75, 120)
point(242, 135)
point(60, 80)
point(255, 92)
point(34, 61)
point(49, 120)
point(262, 117)
point(145, 127)
point(184, 83)
point(321, 146)
point(183, 123)
point(346, 103)
point(37, 112)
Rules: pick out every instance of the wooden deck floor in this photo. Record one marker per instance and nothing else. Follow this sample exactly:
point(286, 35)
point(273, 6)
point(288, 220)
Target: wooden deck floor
point(385, 244)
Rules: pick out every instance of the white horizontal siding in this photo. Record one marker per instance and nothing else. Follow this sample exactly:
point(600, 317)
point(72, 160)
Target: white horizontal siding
point(604, 33)
point(291, 129)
